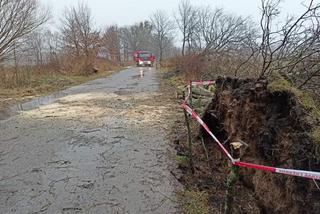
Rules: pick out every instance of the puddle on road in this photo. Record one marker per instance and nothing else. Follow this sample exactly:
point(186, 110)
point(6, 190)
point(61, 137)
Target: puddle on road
point(124, 92)
point(33, 104)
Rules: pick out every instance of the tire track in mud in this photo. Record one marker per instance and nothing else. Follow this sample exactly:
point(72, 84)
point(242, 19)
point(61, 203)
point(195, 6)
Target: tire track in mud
point(101, 148)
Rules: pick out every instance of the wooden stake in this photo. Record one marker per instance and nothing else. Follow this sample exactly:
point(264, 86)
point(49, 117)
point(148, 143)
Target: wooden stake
point(187, 118)
point(205, 149)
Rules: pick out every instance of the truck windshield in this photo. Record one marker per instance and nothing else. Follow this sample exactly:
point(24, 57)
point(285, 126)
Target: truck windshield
point(144, 55)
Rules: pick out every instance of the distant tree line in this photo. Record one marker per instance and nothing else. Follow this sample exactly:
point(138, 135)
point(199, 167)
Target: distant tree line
point(27, 38)
point(210, 40)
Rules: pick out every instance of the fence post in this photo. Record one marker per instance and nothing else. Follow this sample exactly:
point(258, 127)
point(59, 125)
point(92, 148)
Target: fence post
point(187, 118)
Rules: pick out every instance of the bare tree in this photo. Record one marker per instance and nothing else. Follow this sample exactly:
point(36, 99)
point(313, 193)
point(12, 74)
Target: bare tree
point(52, 40)
point(225, 42)
point(292, 48)
point(35, 47)
point(40, 48)
point(138, 36)
point(162, 31)
point(218, 31)
point(186, 20)
point(18, 18)
point(78, 35)
point(111, 41)
point(124, 44)
point(130, 35)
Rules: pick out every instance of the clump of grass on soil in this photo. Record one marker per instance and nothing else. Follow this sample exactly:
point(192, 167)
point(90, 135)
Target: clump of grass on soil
point(279, 83)
point(182, 160)
point(194, 201)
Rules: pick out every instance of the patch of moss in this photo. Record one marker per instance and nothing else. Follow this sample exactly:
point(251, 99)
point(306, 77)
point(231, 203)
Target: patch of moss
point(182, 160)
point(279, 83)
point(194, 201)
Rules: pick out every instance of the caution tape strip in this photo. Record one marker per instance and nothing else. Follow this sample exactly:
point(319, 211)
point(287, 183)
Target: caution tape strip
point(292, 172)
point(195, 116)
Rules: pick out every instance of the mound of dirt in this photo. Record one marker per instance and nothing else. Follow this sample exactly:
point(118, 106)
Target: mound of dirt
point(276, 128)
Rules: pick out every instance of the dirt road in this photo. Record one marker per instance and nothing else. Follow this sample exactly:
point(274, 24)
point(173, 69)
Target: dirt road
point(100, 147)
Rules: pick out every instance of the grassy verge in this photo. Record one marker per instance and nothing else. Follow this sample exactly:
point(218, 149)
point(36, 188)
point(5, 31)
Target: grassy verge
point(44, 84)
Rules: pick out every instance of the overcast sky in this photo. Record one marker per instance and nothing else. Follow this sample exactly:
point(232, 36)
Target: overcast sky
point(126, 12)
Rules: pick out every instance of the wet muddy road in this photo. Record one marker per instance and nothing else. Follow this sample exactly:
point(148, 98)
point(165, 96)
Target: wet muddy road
point(100, 147)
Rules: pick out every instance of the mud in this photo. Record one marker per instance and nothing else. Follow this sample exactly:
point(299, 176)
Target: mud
point(100, 147)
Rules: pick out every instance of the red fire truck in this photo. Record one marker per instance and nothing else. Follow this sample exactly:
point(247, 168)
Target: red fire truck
point(144, 58)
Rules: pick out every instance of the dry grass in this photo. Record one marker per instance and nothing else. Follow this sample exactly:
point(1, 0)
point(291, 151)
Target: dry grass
point(194, 201)
point(177, 81)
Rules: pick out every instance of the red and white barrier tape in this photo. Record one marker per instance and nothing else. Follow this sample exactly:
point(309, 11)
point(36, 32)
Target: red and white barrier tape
point(195, 116)
point(292, 172)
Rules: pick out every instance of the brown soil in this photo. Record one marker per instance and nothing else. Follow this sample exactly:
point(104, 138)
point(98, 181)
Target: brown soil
point(276, 128)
